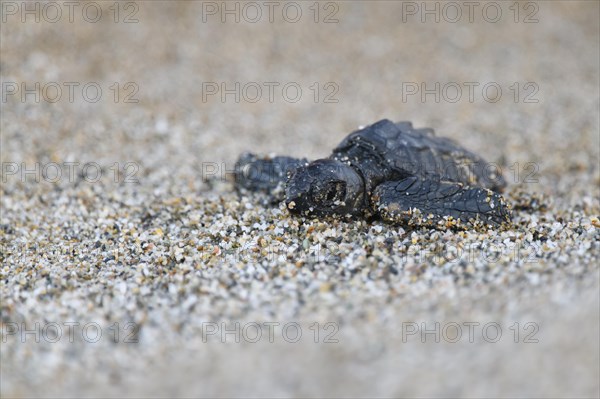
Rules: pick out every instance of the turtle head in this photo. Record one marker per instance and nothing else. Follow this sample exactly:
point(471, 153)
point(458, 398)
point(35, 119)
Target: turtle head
point(325, 187)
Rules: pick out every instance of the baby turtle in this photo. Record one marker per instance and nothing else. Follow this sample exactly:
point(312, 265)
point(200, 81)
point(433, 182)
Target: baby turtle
point(389, 170)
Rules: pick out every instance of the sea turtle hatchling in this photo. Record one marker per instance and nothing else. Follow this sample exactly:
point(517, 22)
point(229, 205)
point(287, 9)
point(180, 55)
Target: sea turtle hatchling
point(389, 170)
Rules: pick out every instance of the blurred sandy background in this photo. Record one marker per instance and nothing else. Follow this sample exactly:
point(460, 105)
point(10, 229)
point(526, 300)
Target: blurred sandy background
point(362, 55)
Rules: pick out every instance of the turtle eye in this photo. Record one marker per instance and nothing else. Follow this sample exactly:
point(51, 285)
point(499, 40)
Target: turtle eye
point(332, 192)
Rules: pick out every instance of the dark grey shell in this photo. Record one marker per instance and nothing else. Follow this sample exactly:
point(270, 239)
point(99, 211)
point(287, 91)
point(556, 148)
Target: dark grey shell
point(388, 151)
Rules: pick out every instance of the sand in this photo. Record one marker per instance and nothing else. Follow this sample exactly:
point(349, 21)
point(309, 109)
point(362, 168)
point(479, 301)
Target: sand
point(131, 267)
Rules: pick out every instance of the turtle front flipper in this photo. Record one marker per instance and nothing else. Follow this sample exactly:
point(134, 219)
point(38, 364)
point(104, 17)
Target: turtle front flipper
point(265, 174)
point(417, 202)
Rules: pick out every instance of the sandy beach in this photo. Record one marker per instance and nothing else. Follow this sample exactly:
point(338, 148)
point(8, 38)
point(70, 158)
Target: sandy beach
point(132, 267)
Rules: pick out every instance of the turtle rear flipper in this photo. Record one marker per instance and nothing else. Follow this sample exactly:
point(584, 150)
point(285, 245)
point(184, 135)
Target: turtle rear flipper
point(439, 204)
